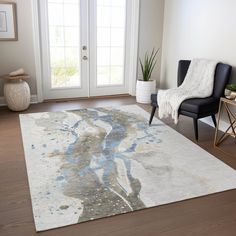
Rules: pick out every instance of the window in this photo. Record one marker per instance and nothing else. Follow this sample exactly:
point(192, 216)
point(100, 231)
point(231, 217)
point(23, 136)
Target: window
point(111, 25)
point(64, 35)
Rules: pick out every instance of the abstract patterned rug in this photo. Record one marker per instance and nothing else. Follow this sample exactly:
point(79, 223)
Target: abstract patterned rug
point(93, 163)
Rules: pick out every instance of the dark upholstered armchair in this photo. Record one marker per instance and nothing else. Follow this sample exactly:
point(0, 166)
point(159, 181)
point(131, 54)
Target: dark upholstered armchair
point(198, 108)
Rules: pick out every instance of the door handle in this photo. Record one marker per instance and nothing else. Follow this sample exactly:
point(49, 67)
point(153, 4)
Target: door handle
point(84, 48)
point(85, 58)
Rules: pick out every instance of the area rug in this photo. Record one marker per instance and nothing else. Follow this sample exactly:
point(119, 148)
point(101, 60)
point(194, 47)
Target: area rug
point(92, 163)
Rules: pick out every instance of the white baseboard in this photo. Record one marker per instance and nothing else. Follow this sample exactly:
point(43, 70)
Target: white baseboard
point(33, 100)
point(223, 125)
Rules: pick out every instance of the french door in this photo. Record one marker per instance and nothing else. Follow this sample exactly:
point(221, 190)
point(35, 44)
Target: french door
point(85, 47)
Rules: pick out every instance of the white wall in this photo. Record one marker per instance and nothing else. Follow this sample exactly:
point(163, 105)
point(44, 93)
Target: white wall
point(21, 53)
point(14, 55)
point(197, 29)
point(151, 31)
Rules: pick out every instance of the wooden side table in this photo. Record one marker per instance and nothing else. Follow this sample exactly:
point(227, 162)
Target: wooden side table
point(226, 104)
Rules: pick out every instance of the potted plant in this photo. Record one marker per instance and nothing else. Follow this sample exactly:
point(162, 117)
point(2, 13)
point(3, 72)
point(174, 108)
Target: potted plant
point(146, 86)
point(230, 91)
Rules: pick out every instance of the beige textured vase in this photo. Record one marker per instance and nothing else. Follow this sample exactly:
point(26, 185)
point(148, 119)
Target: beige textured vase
point(17, 95)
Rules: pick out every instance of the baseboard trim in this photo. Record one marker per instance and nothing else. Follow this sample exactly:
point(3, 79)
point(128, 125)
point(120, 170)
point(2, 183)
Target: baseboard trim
point(33, 100)
point(223, 125)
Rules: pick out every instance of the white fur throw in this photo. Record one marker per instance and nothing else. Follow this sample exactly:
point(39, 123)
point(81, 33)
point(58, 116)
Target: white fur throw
point(198, 83)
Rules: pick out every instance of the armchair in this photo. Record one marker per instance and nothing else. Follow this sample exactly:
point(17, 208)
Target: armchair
point(198, 108)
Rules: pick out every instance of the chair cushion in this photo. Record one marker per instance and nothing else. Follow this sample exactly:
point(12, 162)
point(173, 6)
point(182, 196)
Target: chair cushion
point(195, 105)
point(200, 105)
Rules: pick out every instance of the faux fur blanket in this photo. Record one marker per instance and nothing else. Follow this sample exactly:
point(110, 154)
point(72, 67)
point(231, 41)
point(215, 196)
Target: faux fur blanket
point(198, 83)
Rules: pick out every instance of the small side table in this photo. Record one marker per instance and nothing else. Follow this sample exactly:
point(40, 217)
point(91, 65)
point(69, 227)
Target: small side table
point(231, 130)
point(16, 92)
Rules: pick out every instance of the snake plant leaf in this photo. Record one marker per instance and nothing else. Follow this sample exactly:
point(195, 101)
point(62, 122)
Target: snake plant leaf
point(147, 66)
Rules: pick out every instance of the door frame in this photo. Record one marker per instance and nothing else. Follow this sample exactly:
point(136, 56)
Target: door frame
point(133, 50)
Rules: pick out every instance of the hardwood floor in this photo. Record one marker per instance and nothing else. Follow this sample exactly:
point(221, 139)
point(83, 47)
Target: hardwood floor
point(210, 215)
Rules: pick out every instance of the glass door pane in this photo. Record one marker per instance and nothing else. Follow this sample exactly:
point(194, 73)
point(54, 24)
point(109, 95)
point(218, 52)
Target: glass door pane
point(64, 43)
point(111, 28)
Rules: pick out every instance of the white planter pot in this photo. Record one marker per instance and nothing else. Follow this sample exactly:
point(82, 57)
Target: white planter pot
point(227, 92)
point(144, 89)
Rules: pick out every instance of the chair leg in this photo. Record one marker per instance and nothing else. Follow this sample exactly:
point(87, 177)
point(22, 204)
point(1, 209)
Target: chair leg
point(152, 114)
point(214, 120)
point(195, 123)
